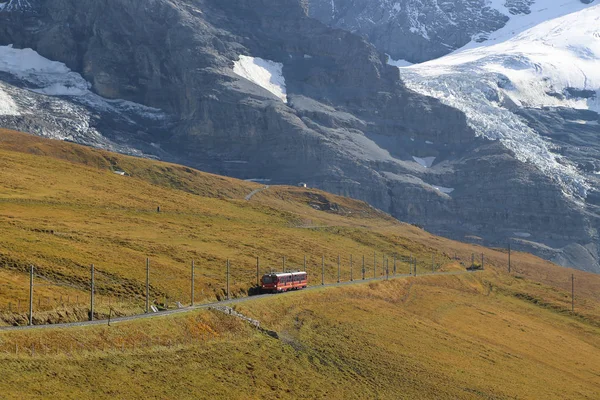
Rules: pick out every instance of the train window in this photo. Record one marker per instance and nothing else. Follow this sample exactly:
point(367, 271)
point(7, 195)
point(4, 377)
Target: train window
point(267, 279)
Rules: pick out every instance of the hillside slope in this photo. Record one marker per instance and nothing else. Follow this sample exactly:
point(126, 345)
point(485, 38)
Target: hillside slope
point(63, 207)
point(464, 337)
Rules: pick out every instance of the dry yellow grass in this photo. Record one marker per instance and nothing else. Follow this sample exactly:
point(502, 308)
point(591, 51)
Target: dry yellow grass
point(489, 335)
point(63, 209)
point(433, 337)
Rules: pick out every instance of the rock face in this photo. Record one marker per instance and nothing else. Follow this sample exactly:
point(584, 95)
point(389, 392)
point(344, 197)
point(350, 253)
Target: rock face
point(161, 83)
point(414, 30)
point(420, 30)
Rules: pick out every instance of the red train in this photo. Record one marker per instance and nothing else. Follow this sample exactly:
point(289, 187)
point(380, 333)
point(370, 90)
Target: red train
point(283, 281)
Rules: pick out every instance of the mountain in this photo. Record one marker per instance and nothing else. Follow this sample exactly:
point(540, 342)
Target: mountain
point(534, 86)
point(421, 30)
point(259, 90)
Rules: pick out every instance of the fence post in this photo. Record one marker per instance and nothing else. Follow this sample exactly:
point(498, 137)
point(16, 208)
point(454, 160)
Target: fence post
point(192, 291)
point(351, 277)
point(92, 293)
point(322, 270)
point(338, 281)
point(147, 285)
point(227, 279)
point(31, 295)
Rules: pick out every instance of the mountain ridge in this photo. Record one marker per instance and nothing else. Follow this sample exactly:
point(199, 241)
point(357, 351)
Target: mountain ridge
point(350, 124)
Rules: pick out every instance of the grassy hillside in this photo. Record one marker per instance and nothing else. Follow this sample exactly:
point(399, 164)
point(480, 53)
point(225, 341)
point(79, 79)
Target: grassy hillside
point(488, 335)
point(459, 337)
point(64, 208)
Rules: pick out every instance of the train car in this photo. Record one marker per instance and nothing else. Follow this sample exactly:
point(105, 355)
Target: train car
point(283, 281)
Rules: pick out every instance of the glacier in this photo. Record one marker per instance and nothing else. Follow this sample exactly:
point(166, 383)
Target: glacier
point(548, 58)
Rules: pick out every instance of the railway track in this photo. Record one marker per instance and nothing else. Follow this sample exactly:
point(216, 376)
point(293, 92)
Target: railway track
point(208, 305)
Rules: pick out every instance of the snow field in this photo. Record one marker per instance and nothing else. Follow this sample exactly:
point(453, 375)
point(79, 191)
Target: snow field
point(264, 73)
point(535, 61)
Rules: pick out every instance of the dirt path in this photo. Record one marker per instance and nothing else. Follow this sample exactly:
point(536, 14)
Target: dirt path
point(255, 191)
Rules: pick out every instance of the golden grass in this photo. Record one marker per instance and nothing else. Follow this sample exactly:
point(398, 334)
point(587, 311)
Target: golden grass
point(426, 337)
point(488, 335)
point(63, 209)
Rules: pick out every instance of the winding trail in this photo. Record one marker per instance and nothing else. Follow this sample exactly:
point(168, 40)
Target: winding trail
point(217, 303)
point(255, 191)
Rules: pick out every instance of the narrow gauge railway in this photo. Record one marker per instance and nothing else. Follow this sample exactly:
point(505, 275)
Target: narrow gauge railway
point(283, 281)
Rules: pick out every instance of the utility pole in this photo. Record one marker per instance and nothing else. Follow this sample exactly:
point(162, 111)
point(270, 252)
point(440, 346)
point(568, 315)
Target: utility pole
point(338, 269)
point(472, 260)
point(415, 261)
point(481, 260)
point(432, 263)
point(351, 277)
point(387, 269)
point(147, 285)
point(394, 265)
point(363, 268)
point(374, 265)
point(323, 270)
point(92, 293)
point(228, 279)
point(304, 269)
point(31, 295)
point(572, 292)
point(257, 271)
point(192, 288)
point(509, 256)
point(284, 264)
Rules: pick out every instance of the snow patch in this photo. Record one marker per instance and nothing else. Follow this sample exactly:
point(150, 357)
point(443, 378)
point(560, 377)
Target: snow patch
point(265, 73)
point(8, 105)
point(54, 78)
point(46, 75)
point(442, 189)
point(582, 122)
point(522, 234)
point(426, 162)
